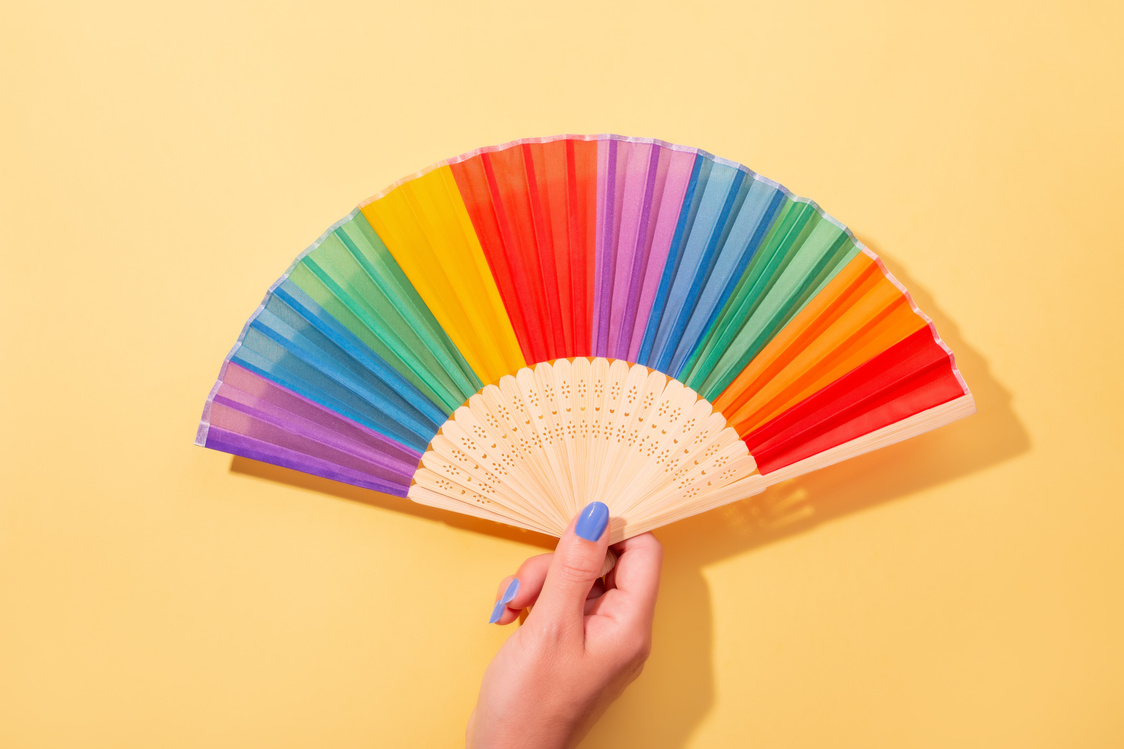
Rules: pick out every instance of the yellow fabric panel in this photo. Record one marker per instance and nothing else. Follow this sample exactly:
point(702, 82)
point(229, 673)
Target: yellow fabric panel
point(427, 229)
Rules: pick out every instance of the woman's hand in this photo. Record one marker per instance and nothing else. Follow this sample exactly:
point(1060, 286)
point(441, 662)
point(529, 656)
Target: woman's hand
point(583, 642)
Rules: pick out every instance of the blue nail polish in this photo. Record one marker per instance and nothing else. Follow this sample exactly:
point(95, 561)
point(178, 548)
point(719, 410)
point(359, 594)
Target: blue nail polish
point(512, 589)
point(592, 521)
point(508, 595)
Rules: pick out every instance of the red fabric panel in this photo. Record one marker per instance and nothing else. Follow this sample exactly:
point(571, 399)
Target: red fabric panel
point(581, 185)
point(534, 210)
point(476, 194)
point(506, 174)
point(912, 376)
point(538, 187)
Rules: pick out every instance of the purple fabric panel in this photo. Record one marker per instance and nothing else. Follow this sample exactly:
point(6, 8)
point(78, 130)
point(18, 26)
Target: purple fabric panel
point(640, 170)
point(232, 416)
point(606, 210)
point(620, 173)
point(236, 421)
point(267, 396)
point(238, 406)
point(255, 417)
point(671, 187)
point(659, 178)
point(237, 444)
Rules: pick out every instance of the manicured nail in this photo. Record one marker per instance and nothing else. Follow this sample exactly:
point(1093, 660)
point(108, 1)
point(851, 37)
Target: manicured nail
point(508, 595)
point(512, 589)
point(592, 521)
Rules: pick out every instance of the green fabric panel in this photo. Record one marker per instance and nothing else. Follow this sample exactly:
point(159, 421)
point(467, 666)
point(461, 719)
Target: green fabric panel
point(802, 253)
point(357, 281)
point(369, 251)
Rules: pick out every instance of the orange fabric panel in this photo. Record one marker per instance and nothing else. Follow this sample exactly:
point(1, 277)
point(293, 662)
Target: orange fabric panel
point(857, 316)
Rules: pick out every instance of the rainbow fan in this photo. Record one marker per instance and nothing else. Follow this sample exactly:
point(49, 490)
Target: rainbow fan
point(526, 328)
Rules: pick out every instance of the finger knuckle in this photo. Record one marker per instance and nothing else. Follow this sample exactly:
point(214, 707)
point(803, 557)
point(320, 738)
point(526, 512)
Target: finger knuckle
point(638, 647)
point(643, 649)
point(578, 569)
point(632, 650)
point(632, 657)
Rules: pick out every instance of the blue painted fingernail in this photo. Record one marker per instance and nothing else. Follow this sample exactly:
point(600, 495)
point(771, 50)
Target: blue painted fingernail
point(592, 521)
point(512, 589)
point(508, 595)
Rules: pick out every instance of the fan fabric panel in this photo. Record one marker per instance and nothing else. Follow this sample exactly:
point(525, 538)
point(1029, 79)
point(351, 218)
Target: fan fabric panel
point(251, 415)
point(382, 332)
point(534, 209)
point(355, 281)
point(425, 225)
point(910, 377)
point(858, 315)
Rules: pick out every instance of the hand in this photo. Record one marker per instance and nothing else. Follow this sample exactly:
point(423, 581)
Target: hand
point(583, 642)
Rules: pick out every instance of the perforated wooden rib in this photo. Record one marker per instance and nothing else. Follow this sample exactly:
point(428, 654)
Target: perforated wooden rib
point(539, 445)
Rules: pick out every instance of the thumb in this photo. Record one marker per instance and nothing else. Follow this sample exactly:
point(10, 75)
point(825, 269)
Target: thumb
point(576, 565)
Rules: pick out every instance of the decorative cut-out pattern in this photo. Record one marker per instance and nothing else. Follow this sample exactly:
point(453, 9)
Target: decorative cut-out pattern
point(632, 438)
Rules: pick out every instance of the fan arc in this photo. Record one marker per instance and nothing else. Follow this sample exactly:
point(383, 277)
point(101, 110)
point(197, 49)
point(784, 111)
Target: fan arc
point(525, 328)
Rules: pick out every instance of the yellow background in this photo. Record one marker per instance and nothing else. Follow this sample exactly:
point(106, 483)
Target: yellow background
point(163, 163)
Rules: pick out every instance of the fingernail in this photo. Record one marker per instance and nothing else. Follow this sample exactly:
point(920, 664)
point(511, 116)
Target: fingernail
point(508, 595)
point(592, 521)
point(512, 589)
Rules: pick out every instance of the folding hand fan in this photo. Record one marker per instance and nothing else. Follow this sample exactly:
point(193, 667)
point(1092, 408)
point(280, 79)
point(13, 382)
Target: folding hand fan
point(523, 329)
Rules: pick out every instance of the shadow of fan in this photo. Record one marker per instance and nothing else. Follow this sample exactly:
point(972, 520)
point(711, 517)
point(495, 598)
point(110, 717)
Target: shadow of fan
point(665, 708)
